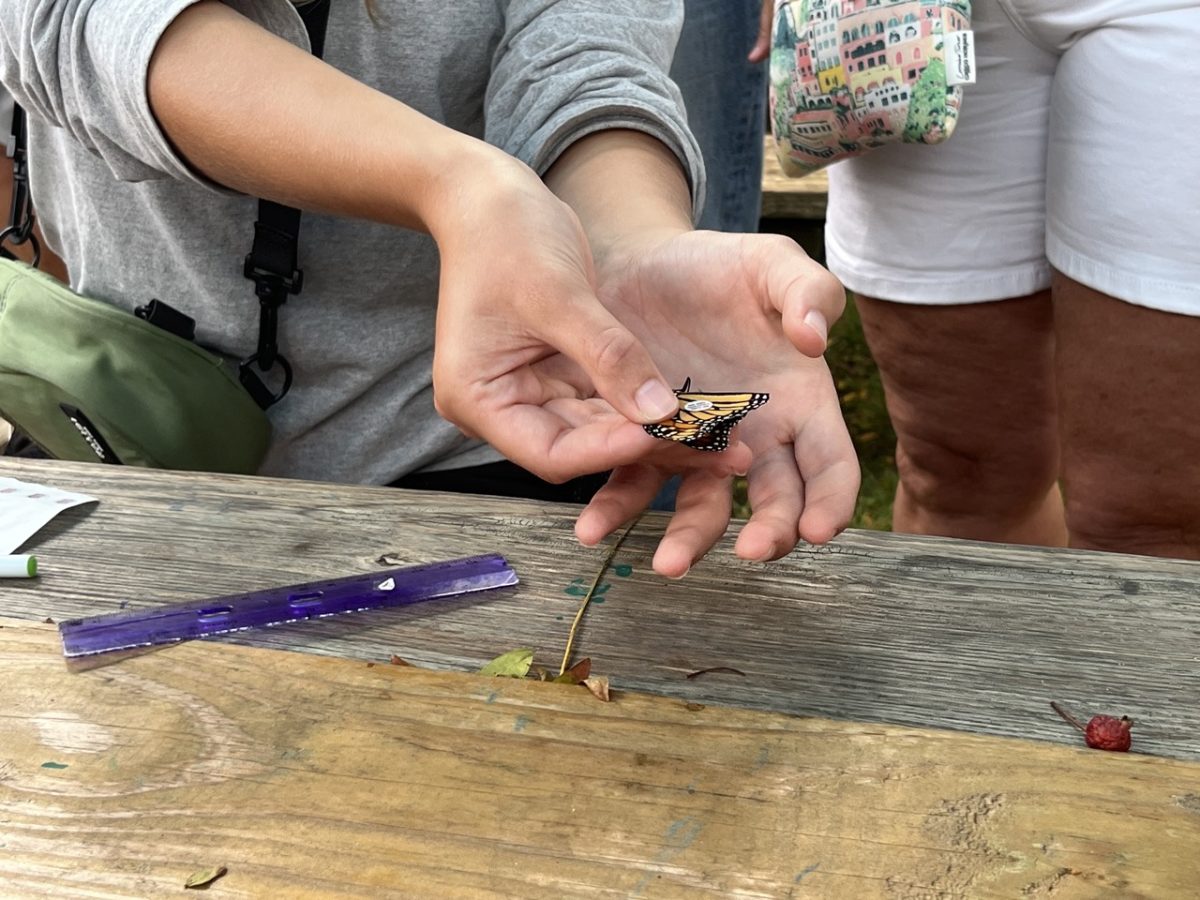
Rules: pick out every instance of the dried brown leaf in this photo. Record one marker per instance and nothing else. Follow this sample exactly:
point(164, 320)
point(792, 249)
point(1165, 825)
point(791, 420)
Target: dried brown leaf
point(598, 685)
point(577, 674)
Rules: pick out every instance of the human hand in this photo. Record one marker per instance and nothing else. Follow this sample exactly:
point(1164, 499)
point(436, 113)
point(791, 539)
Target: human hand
point(524, 346)
point(736, 313)
point(762, 45)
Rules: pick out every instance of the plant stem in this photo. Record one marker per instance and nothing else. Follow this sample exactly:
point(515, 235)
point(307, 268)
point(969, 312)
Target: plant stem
point(587, 598)
point(1066, 715)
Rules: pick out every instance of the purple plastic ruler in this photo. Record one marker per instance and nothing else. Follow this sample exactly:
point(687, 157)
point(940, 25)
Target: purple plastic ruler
point(237, 612)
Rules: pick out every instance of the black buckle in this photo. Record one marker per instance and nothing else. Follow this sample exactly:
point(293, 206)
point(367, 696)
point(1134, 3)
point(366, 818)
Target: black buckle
point(259, 392)
point(269, 284)
point(18, 236)
point(272, 290)
point(168, 318)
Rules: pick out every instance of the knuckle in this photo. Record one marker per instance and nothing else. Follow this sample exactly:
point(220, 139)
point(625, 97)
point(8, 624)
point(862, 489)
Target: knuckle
point(612, 348)
point(554, 476)
point(781, 243)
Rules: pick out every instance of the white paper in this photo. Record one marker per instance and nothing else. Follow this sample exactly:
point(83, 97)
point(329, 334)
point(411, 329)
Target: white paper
point(25, 508)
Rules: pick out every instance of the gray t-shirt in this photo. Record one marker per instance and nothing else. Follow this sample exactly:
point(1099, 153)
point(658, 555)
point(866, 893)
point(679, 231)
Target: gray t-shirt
point(134, 223)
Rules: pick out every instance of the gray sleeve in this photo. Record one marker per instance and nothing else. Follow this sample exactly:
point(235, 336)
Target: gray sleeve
point(81, 65)
point(568, 68)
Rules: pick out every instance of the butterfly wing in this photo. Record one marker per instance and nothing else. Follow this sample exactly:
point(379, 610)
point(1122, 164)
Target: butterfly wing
point(704, 421)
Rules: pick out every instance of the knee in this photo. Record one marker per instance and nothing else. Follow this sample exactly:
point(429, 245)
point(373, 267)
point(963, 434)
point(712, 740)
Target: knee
point(962, 477)
point(1129, 512)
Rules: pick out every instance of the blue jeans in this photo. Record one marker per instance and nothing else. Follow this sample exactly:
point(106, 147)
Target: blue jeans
point(726, 99)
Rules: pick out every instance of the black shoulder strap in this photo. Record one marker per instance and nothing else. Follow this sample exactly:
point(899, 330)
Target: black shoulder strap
point(20, 212)
point(273, 261)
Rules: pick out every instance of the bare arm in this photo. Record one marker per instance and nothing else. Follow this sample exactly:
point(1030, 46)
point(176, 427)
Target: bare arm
point(301, 125)
point(622, 184)
point(630, 193)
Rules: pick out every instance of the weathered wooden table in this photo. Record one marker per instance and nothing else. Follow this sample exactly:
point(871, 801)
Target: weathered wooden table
point(335, 774)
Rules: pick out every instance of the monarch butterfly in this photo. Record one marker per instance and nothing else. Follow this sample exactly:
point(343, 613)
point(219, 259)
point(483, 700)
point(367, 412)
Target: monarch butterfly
point(704, 421)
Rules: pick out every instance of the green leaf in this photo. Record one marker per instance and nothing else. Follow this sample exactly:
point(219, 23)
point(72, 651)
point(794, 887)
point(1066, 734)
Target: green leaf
point(204, 877)
point(513, 664)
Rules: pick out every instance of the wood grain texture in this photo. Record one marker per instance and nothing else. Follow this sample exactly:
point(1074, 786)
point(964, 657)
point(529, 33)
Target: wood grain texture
point(873, 627)
point(311, 777)
point(791, 198)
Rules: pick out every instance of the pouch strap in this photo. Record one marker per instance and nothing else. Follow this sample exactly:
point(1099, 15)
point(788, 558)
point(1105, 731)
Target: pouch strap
point(273, 261)
point(20, 213)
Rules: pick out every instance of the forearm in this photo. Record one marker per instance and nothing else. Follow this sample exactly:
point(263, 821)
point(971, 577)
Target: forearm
point(624, 186)
point(306, 135)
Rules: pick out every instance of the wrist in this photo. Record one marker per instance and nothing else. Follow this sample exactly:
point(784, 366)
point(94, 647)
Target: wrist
point(466, 183)
point(628, 189)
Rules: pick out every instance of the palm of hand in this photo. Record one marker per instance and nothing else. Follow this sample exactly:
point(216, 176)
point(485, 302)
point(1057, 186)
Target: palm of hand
point(706, 305)
point(697, 304)
point(507, 301)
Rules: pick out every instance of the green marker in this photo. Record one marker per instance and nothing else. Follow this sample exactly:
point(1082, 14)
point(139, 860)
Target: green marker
point(24, 566)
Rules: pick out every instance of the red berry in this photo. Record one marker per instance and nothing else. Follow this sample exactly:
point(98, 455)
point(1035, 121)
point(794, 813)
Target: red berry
point(1109, 733)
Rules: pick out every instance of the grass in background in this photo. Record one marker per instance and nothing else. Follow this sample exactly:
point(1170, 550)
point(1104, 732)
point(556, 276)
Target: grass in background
point(861, 393)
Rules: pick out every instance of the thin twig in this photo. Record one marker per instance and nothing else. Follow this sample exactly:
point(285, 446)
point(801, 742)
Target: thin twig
point(726, 670)
point(587, 598)
point(1066, 715)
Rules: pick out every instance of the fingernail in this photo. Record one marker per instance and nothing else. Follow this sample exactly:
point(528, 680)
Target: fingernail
point(816, 321)
point(682, 575)
point(656, 401)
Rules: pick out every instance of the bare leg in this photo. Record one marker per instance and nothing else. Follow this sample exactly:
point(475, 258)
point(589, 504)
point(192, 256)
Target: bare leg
point(1129, 381)
point(971, 395)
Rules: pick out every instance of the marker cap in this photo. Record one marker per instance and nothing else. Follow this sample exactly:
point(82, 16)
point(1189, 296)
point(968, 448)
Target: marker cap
point(23, 566)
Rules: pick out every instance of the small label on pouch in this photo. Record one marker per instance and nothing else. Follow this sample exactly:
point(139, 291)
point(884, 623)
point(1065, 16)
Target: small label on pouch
point(960, 58)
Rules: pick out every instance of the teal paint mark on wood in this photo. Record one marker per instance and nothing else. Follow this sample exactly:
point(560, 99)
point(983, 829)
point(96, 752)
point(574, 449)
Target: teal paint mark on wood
point(679, 836)
point(579, 588)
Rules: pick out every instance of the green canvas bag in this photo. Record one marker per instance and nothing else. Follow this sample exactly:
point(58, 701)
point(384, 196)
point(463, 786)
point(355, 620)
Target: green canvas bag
point(85, 380)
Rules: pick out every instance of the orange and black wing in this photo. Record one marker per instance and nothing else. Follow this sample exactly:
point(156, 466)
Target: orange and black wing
point(704, 421)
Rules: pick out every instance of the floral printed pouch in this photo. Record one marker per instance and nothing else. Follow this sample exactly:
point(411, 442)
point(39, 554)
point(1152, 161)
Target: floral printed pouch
point(848, 76)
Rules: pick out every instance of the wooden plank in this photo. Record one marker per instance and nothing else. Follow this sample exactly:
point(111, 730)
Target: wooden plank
point(791, 198)
point(874, 627)
point(312, 777)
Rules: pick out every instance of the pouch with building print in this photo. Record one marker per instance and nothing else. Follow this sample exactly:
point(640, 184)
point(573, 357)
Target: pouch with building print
point(848, 76)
